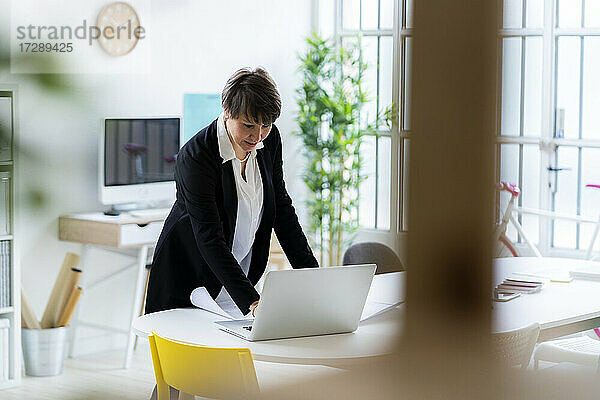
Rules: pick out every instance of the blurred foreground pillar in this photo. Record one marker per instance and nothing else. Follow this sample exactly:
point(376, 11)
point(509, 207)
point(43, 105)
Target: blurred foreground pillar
point(443, 351)
point(451, 198)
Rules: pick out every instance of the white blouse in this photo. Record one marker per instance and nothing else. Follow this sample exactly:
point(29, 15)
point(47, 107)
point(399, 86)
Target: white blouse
point(249, 209)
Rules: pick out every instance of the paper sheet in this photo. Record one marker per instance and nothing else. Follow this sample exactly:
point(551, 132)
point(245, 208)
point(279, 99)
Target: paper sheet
point(201, 299)
point(387, 288)
point(386, 292)
point(373, 308)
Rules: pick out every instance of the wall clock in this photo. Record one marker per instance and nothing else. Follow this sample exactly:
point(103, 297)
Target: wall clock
point(118, 22)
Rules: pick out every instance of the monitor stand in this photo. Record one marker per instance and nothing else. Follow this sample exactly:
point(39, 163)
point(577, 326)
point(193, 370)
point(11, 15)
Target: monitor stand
point(116, 209)
point(112, 212)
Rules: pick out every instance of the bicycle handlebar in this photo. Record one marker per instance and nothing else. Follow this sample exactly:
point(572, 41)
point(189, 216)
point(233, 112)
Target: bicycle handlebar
point(509, 187)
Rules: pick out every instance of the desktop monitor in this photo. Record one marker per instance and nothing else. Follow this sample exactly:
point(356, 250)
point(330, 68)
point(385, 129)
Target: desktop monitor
point(137, 160)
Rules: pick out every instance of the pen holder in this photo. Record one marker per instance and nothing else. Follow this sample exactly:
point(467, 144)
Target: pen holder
point(44, 350)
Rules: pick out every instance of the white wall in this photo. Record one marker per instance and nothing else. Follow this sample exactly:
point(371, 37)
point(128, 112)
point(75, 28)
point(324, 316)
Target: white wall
point(196, 45)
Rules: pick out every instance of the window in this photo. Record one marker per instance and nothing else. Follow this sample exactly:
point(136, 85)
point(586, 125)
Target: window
point(549, 121)
point(385, 27)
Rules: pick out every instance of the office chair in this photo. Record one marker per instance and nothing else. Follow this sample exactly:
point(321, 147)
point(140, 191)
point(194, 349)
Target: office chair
point(581, 350)
point(514, 347)
point(202, 371)
point(373, 253)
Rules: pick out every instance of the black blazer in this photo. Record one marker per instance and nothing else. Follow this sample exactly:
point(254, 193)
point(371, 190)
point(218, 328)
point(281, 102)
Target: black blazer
point(194, 247)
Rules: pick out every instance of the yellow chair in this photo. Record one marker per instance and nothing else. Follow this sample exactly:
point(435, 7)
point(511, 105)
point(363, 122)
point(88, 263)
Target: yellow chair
point(219, 373)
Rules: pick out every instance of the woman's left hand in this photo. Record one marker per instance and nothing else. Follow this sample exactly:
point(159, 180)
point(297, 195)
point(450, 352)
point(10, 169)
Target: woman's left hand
point(253, 307)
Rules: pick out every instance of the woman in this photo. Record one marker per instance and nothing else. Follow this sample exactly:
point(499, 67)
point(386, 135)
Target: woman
point(230, 195)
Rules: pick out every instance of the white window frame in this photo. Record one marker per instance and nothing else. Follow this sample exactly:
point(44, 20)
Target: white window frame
point(547, 143)
point(394, 236)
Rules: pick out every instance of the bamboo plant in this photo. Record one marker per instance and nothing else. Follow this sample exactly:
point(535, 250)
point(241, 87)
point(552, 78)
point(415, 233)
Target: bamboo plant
point(329, 118)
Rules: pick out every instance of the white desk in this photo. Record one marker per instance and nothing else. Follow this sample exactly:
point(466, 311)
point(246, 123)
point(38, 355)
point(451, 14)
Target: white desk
point(375, 337)
point(560, 308)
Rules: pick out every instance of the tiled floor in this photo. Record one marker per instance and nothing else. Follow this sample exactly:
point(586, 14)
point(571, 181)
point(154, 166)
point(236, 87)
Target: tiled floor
point(101, 376)
point(98, 376)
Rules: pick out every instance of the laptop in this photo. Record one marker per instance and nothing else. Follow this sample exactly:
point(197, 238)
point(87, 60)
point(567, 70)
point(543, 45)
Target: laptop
point(307, 302)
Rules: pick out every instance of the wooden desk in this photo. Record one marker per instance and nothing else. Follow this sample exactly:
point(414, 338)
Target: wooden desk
point(124, 232)
point(112, 232)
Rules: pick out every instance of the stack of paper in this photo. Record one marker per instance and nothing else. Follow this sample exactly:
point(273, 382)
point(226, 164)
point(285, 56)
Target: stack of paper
point(589, 273)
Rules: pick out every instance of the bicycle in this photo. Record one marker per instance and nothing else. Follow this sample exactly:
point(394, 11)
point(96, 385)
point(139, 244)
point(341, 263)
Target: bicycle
point(504, 246)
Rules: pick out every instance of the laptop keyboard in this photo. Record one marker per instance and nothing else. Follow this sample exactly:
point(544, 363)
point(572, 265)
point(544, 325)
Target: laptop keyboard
point(248, 328)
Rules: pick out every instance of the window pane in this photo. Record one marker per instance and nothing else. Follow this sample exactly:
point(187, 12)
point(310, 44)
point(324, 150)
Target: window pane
point(406, 163)
point(565, 234)
point(567, 91)
point(350, 14)
point(511, 86)
point(565, 199)
point(590, 197)
point(509, 163)
point(569, 13)
point(592, 13)
point(512, 14)
point(532, 114)
point(349, 69)
point(566, 190)
point(409, 13)
point(591, 88)
point(385, 73)
point(370, 11)
point(535, 13)
point(530, 190)
point(407, 84)
point(366, 191)
point(326, 18)
point(509, 172)
point(369, 55)
point(384, 182)
point(386, 14)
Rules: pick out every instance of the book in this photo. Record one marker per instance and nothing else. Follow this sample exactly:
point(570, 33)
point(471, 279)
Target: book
point(513, 285)
point(517, 289)
point(4, 276)
point(8, 274)
point(4, 349)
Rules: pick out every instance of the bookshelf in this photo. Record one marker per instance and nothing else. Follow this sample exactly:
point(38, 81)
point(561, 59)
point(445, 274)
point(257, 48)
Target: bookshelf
point(10, 282)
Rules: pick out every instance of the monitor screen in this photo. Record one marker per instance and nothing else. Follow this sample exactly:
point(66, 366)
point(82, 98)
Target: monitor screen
point(140, 151)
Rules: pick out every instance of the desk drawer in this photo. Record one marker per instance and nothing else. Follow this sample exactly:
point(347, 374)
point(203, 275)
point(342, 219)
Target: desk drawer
point(134, 234)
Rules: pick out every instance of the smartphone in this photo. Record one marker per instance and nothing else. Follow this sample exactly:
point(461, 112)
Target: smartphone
point(506, 296)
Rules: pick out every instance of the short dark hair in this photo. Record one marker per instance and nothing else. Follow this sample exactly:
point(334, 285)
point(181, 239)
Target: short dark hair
point(252, 94)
